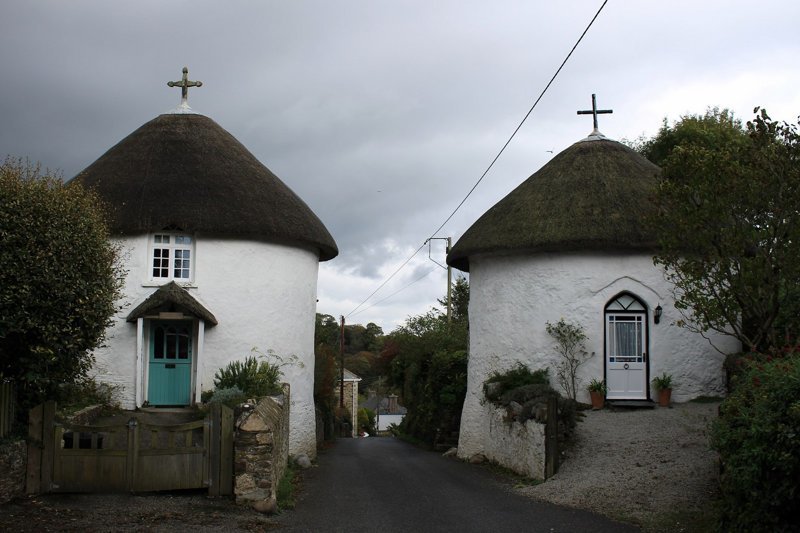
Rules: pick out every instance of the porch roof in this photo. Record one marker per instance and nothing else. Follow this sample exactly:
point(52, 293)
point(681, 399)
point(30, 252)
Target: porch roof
point(172, 294)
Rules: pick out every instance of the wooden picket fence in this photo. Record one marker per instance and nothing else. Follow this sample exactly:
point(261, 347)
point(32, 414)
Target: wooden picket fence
point(130, 457)
point(7, 407)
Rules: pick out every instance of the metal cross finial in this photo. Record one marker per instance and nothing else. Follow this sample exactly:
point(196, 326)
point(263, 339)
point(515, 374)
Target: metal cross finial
point(184, 84)
point(594, 112)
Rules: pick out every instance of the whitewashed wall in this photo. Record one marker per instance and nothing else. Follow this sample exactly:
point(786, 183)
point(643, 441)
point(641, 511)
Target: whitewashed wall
point(519, 446)
point(513, 297)
point(384, 421)
point(263, 296)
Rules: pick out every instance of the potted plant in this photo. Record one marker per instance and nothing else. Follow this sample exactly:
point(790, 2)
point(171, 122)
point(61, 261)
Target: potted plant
point(663, 385)
point(597, 390)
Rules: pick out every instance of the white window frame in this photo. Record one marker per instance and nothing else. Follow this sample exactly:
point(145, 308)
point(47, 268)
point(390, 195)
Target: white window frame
point(176, 246)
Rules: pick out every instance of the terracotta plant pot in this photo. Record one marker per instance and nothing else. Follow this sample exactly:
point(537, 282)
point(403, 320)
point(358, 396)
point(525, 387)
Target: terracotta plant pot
point(664, 396)
point(598, 399)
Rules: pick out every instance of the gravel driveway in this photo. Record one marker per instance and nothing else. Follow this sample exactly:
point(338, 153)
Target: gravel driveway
point(652, 467)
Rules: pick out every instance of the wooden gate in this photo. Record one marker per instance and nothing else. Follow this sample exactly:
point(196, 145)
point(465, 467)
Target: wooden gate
point(130, 457)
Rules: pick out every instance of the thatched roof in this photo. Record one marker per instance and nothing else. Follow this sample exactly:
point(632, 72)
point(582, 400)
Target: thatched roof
point(592, 196)
point(171, 297)
point(184, 171)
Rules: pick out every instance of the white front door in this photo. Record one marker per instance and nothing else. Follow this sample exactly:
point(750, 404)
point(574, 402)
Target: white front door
point(626, 350)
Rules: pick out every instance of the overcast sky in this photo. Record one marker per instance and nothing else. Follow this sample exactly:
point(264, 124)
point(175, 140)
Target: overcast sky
point(382, 115)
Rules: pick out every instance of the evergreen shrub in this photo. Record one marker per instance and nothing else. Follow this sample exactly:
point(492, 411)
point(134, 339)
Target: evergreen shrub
point(531, 390)
point(758, 439)
point(518, 376)
point(366, 421)
point(230, 396)
point(253, 378)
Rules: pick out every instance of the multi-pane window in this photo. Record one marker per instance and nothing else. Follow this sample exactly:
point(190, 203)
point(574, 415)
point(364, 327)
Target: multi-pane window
point(171, 342)
point(626, 338)
point(172, 256)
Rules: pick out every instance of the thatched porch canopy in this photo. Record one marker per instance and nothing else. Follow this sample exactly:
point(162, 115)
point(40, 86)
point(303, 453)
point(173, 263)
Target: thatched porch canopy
point(171, 297)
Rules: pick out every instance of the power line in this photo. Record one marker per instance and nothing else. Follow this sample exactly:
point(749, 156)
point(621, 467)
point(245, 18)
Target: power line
point(485, 172)
point(425, 275)
point(386, 281)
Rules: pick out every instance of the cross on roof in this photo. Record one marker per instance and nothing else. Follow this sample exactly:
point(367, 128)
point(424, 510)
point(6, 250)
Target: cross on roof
point(184, 84)
point(594, 112)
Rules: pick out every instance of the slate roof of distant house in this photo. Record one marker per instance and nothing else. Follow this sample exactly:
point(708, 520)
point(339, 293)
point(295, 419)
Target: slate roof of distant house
point(593, 196)
point(183, 171)
point(351, 376)
point(372, 403)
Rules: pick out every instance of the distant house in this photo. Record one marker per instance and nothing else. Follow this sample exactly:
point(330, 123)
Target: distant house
point(221, 257)
point(387, 410)
point(569, 242)
point(351, 381)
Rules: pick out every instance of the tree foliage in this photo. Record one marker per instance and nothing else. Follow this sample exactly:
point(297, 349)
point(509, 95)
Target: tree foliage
point(728, 224)
point(756, 436)
point(430, 368)
point(59, 280)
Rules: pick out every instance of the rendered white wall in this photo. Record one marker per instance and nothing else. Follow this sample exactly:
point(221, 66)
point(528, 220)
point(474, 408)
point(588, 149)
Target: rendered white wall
point(519, 446)
point(384, 421)
point(263, 296)
point(513, 297)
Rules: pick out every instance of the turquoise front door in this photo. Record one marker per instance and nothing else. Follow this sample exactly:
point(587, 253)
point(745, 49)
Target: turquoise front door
point(170, 367)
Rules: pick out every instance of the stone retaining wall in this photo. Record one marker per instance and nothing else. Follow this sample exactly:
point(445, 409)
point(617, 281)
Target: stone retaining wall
point(261, 451)
point(514, 445)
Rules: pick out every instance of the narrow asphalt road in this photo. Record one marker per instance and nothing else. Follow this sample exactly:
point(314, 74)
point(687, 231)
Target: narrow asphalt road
point(386, 485)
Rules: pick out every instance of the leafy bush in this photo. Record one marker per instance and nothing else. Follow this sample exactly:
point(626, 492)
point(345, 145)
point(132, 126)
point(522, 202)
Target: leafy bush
point(520, 375)
point(255, 379)
point(230, 396)
point(526, 393)
point(758, 438)
point(366, 421)
point(531, 391)
point(59, 280)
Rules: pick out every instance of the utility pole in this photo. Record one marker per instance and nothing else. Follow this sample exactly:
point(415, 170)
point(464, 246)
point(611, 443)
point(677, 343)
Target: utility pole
point(449, 283)
point(449, 272)
point(341, 364)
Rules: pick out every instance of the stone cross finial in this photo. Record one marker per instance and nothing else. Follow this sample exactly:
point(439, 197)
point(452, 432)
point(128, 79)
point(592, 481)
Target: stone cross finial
point(184, 84)
point(594, 112)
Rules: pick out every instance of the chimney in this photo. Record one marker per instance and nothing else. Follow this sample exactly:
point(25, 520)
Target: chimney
point(392, 403)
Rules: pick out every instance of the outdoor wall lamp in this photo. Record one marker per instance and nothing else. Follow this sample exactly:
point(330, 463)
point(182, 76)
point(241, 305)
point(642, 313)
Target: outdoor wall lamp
point(657, 314)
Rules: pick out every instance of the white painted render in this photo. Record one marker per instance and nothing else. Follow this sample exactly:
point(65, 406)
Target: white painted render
point(384, 421)
point(513, 297)
point(263, 296)
point(519, 446)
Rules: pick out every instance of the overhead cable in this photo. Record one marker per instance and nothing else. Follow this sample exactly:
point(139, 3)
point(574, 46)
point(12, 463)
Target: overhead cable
point(485, 172)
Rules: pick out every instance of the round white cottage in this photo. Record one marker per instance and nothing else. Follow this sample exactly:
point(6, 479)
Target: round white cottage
point(221, 257)
point(569, 242)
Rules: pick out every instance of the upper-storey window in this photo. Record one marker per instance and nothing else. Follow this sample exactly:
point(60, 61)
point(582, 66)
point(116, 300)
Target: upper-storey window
point(172, 257)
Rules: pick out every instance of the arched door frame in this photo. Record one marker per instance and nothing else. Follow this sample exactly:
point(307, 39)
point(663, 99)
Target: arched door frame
point(626, 375)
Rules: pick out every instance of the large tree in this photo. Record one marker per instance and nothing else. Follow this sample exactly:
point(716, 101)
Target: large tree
point(728, 224)
point(59, 280)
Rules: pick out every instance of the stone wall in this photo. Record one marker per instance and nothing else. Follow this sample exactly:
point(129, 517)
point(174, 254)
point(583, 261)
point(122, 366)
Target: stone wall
point(517, 446)
point(261, 451)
